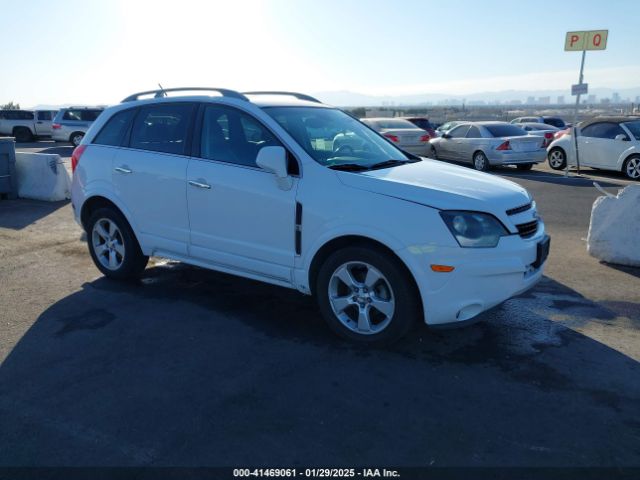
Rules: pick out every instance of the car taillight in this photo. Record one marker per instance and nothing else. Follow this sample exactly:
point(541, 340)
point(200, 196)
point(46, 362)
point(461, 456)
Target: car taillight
point(56, 126)
point(75, 156)
point(548, 138)
point(425, 138)
point(504, 146)
point(562, 133)
point(393, 138)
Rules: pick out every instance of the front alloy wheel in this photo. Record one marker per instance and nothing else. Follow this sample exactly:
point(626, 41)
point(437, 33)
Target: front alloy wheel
point(557, 159)
point(366, 295)
point(361, 298)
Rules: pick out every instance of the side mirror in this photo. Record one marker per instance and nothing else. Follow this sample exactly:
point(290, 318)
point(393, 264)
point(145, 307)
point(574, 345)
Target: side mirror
point(274, 160)
point(622, 137)
point(446, 135)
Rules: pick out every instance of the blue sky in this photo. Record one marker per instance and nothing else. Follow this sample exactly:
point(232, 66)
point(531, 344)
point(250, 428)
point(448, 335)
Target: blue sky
point(73, 51)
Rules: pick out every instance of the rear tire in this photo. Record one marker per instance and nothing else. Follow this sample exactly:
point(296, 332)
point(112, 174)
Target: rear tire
point(481, 162)
point(557, 159)
point(376, 303)
point(113, 246)
point(75, 138)
point(631, 167)
point(525, 166)
point(22, 134)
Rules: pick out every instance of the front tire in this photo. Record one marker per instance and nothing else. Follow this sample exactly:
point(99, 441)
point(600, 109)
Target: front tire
point(631, 167)
point(557, 159)
point(481, 162)
point(113, 246)
point(366, 296)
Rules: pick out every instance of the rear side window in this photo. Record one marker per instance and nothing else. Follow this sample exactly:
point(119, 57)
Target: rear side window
point(115, 130)
point(89, 115)
point(16, 115)
point(45, 115)
point(71, 115)
point(422, 123)
point(606, 130)
point(505, 130)
point(556, 122)
point(162, 128)
point(81, 115)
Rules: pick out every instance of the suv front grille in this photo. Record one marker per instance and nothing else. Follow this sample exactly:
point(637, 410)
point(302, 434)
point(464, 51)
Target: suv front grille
point(522, 208)
point(528, 229)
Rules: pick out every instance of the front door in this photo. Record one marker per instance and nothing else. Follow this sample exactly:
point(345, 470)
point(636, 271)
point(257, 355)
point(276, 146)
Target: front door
point(240, 219)
point(598, 146)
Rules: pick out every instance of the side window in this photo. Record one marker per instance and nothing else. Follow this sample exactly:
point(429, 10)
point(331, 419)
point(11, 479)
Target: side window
point(114, 131)
point(459, 132)
point(605, 130)
point(162, 128)
point(89, 115)
point(71, 115)
point(474, 132)
point(45, 115)
point(229, 135)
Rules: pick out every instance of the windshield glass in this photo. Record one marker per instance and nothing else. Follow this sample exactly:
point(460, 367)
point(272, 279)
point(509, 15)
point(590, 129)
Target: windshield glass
point(505, 130)
point(332, 137)
point(634, 128)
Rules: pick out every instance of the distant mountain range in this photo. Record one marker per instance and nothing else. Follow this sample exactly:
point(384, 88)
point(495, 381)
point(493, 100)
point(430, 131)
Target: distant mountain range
point(353, 99)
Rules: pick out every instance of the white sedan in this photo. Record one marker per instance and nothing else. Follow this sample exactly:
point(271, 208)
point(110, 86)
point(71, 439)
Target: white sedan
point(607, 143)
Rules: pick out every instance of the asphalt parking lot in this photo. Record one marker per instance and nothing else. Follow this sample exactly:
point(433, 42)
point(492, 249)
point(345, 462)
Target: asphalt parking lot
point(190, 367)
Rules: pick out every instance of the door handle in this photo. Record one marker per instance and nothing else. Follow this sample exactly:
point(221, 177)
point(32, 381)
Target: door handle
point(122, 170)
point(199, 184)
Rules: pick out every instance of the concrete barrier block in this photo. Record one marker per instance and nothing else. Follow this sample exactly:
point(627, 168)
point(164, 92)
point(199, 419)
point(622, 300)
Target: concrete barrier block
point(42, 176)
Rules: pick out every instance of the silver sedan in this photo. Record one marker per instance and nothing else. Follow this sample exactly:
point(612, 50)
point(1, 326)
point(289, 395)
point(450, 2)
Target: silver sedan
point(487, 144)
point(402, 133)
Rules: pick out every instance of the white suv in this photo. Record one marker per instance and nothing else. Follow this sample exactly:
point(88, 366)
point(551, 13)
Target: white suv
point(254, 185)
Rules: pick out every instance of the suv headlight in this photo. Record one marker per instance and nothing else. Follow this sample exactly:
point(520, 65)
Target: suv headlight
point(474, 229)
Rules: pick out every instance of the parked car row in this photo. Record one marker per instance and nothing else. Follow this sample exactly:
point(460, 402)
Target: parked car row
point(68, 124)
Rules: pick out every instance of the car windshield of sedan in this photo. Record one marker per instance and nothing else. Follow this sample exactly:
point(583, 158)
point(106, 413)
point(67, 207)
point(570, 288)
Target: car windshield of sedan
point(335, 139)
point(634, 128)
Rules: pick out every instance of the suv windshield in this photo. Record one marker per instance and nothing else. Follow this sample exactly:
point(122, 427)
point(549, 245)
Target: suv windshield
point(333, 138)
point(634, 128)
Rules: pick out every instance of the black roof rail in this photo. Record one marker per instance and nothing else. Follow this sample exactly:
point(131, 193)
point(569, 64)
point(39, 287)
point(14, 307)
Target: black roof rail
point(159, 93)
point(299, 96)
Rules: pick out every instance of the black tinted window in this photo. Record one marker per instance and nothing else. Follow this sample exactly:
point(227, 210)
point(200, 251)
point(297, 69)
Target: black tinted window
point(17, 115)
point(422, 123)
point(89, 115)
point(229, 135)
point(71, 115)
point(116, 128)
point(45, 115)
point(556, 122)
point(459, 132)
point(474, 132)
point(505, 130)
point(602, 130)
point(162, 128)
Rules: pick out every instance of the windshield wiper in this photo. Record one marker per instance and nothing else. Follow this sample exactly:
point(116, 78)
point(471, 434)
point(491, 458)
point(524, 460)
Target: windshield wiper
point(349, 167)
point(390, 163)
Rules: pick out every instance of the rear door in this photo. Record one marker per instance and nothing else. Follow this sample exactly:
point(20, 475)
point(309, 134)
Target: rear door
point(44, 119)
point(150, 175)
point(471, 143)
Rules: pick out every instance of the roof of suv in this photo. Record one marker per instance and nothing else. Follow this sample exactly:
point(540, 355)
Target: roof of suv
point(259, 98)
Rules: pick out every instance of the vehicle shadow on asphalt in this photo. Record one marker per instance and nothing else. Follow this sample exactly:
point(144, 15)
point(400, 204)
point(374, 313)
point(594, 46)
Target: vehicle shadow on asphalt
point(192, 367)
point(63, 151)
point(560, 179)
point(20, 213)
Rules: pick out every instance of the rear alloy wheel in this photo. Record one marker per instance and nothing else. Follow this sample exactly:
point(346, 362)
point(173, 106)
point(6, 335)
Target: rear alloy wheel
point(525, 166)
point(113, 246)
point(76, 138)
point(557, 159)
point(365, 296)
point(481, 162)
point(22, 134)
point(632, 167)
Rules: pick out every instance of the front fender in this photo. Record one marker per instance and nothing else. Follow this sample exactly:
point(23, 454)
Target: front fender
point(632, 150)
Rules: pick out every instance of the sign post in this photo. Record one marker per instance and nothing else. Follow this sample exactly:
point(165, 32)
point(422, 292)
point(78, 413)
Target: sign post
point(576, 42)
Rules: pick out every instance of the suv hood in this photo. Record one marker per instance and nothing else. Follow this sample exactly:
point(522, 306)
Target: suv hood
point(441, 185)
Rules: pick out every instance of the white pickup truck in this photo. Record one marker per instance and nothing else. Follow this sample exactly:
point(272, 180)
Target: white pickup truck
point(26, 125)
